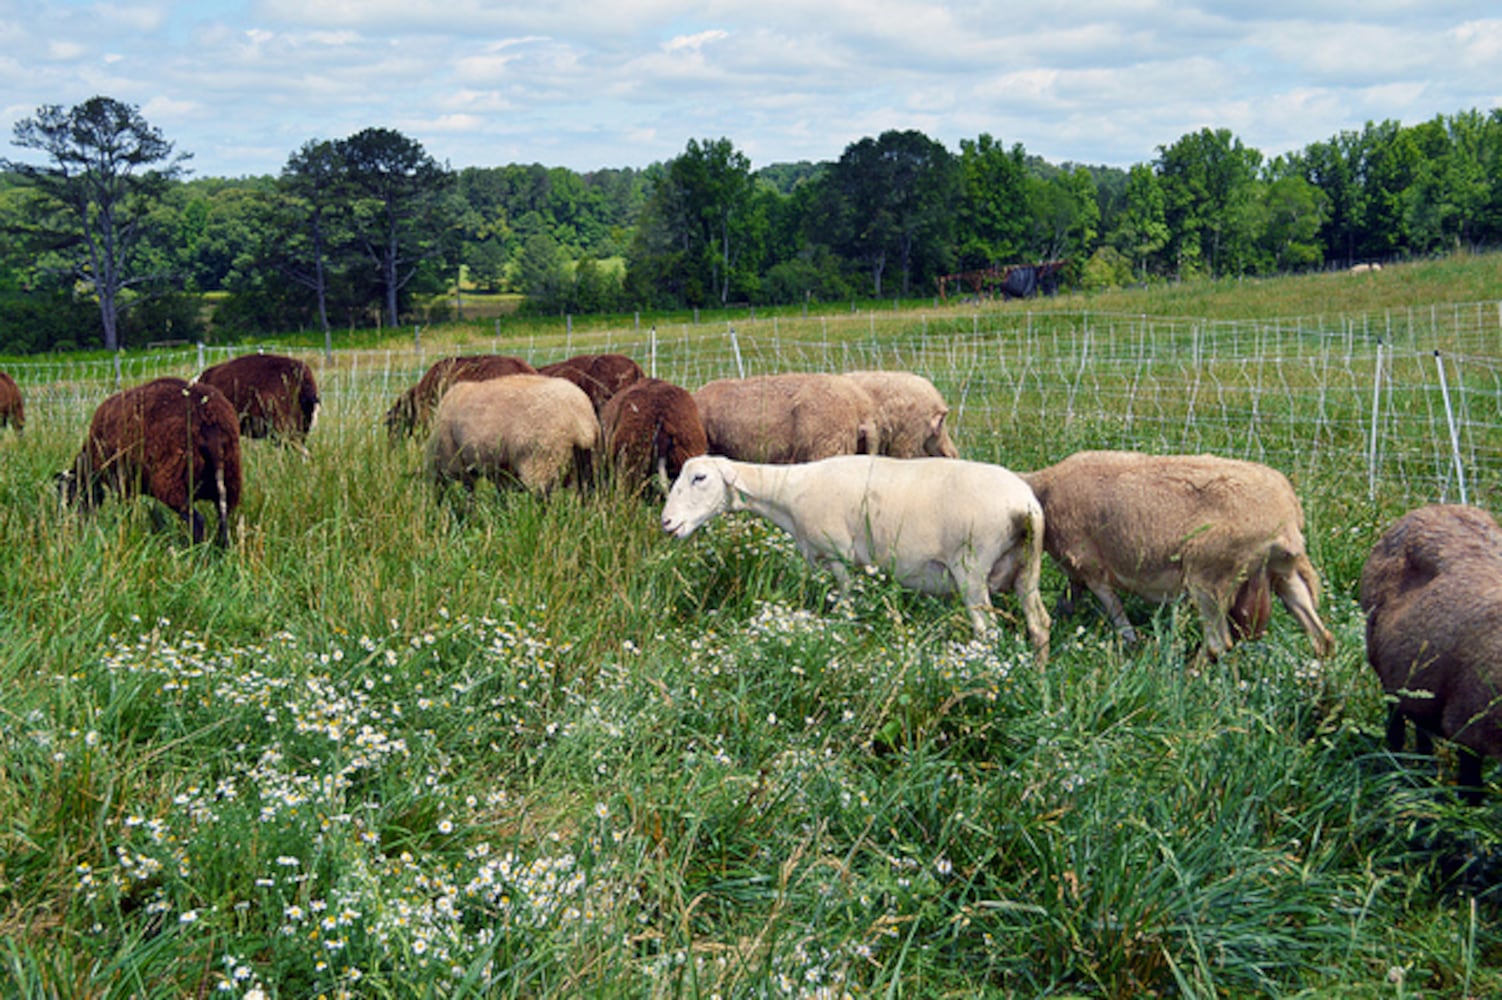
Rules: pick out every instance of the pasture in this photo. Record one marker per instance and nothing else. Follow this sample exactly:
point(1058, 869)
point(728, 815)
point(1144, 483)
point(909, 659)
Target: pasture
point(390, 745)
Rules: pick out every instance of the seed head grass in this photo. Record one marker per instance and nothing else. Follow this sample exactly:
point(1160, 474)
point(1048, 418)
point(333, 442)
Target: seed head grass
point(402, 741)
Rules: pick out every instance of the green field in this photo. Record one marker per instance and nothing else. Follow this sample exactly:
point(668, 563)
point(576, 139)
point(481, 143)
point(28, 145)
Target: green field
point(388, 745)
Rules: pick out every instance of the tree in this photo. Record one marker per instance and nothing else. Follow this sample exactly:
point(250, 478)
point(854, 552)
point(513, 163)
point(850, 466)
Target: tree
point(895, 199)
point(1293, 212)
point(705, 228)
point(994, 206)
point(1064, 214)
point(542, 273)
point(313, 181)
point(103, 179)
point(399, 206)
point(1141, 231)
point(1450, 201)
point(1208, 180)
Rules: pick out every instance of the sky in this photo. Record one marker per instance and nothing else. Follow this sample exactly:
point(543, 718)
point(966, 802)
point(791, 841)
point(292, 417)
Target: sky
point(588, 85)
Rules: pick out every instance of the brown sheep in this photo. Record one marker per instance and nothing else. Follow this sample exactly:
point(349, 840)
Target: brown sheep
point(910, 414)
point(275, 396)
point(413, 409)
point(651, 427)
point(793, 417)
point(601, 376)
point(170, 440)
point(1159, 526)
point(1432, 593)
point(12, 409)
point(531, 430)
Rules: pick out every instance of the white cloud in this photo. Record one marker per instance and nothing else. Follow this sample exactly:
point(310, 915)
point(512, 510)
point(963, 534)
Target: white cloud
point(694, 43)
point(588, 84)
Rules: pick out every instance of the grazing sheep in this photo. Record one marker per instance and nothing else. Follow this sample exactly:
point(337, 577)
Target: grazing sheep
point(170, 440)
point(792, 417)
point(275, 396)
point(601, 376)
point(1163, 525)
point(909, 414)
point(1432, 593)
point(651, 427)
point(12, 409)
point(533, 430)
point(939, 525)
point(413, 409)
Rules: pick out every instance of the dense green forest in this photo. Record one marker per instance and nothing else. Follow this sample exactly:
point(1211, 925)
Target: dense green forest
point(111, 243)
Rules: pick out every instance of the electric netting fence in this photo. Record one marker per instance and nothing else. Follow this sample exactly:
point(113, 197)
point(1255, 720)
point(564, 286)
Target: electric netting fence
point(1401, 405)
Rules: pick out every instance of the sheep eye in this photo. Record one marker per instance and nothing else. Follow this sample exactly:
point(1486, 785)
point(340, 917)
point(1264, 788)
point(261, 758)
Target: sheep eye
point(698, 477)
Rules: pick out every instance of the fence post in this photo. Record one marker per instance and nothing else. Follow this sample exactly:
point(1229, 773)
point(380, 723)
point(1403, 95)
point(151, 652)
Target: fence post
point(735, 348)
point(1371, 453)
point(652, 350)
point(1444, 389)
point(200, 355)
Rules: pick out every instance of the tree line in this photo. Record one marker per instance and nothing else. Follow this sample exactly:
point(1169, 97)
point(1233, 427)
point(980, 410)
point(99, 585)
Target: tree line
point(109, 242)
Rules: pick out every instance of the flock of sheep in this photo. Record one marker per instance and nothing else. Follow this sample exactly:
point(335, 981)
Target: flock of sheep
point(859, 468)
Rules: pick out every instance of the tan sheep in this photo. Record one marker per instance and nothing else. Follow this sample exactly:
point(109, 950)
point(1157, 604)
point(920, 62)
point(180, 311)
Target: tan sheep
point(792, 417)
point(910, 414)
point(413, 409)
point(529, 430)
point(1159, 526)
point(1432, 593)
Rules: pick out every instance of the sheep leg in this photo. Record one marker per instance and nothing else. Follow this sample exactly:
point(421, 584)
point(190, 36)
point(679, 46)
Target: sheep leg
point(1297, 596)
point(1114, 610)
point(1213, 621)
point(1021, 572)
point(1468, 775)
point(1397, 729)
point(221, 502)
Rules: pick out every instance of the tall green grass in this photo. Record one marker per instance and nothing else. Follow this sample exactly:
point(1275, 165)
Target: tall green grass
point(395, 743)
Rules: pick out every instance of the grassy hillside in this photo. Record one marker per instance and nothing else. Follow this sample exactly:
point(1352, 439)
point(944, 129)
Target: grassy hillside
point(393, 744)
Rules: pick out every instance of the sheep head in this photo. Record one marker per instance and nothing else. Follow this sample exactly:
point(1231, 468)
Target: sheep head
point(702, 490)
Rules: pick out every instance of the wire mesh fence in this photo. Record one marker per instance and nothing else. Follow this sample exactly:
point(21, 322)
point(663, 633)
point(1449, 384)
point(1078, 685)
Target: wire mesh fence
point(1402, 404)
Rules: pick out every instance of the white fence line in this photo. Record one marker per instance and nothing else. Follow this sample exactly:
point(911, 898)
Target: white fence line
point(1407, 401)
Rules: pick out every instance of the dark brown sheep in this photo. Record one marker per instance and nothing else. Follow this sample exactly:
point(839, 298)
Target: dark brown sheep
point(12, 409)
point(413, 409)
point(601, 376)
point(167, 439)
point(651, 428)
point(1432, 593)
point(1219, 530)
point(275, 396)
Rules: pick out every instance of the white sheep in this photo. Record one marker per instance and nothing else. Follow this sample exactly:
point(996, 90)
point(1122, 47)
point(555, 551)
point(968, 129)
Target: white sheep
point(938, 525)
